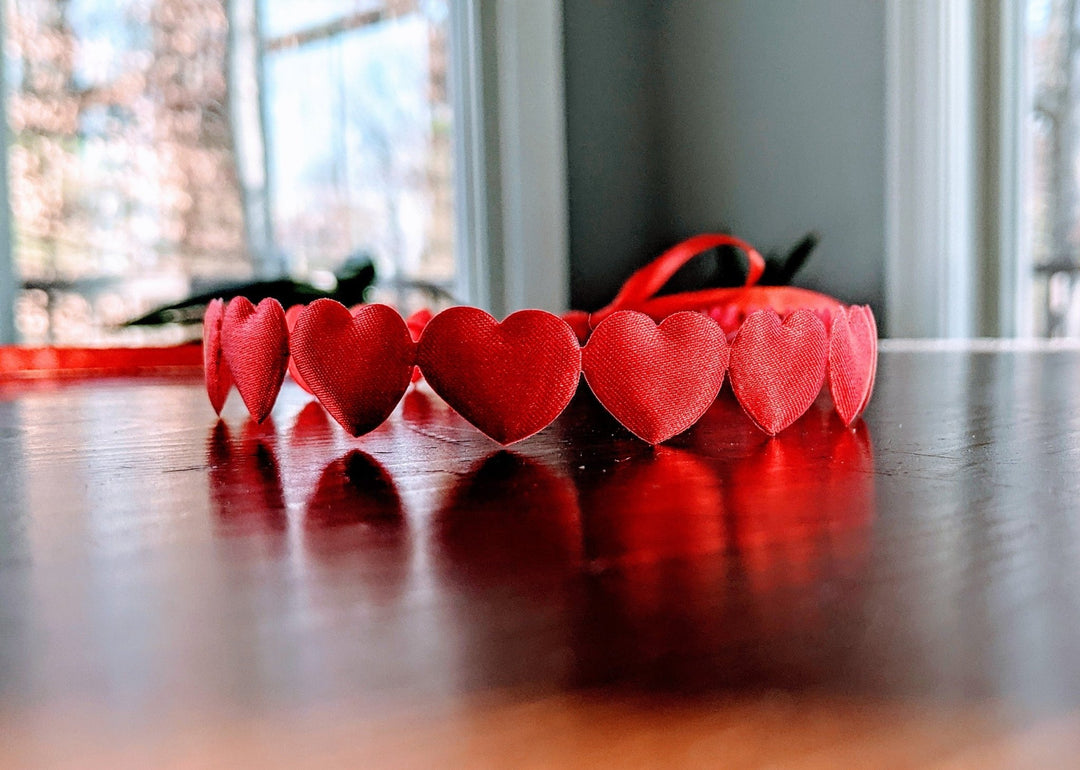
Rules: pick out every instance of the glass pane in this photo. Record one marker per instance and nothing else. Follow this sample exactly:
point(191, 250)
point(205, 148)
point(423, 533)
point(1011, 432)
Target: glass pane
point(1052, 203)
point(131, 152)
point(359, 126)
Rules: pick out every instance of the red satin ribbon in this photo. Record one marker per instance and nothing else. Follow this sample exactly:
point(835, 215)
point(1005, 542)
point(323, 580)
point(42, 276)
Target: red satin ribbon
point(643, 284)
point(728, 306)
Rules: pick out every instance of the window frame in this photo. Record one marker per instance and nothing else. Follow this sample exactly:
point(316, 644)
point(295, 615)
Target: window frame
point(929, 169)
point(511, 240)
point(958, 260)
point(1009, 163)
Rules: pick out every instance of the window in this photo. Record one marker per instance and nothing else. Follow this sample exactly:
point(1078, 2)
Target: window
point(358, 131)
point(161, 147)
point(1049, 84)
point(983, 141)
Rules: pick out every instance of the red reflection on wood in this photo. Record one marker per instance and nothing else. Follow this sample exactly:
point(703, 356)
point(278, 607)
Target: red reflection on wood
point(312, 425)
point(355, 521)
point(801, 497)
point(245, 481)
point(354, 489)
point(653, 505)
point(509, 514)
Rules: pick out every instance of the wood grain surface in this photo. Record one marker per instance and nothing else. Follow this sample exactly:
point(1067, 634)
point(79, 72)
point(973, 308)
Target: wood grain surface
point(177, 591)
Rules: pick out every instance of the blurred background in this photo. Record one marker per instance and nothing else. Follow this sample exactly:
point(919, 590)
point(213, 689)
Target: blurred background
point(519, 153)
point(159, 147)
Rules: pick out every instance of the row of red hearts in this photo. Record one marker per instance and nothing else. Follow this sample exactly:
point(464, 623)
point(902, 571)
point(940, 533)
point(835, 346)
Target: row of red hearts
point(512, 379)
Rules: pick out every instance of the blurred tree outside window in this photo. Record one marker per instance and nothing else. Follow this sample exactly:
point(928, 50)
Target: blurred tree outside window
point(1051, 196)
point(157, 148)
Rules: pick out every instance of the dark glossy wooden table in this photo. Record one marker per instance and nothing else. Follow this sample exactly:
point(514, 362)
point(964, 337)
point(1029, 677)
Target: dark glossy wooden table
point(180, 592)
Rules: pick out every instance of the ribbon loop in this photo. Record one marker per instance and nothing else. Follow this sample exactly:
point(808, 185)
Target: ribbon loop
point(648, 280)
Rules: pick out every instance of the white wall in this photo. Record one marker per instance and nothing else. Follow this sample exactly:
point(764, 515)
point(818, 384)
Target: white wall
point(766, 117)
point(613, 143)
point(774, 124)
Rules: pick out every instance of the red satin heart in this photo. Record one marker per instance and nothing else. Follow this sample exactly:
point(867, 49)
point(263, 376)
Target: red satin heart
point(509, 379)
point(852, 361)
point(358, 364)
point(869, 319)
point(656, 380)
point(219, 379)
point(777, 368)
point(255, 343)
point(290, 321)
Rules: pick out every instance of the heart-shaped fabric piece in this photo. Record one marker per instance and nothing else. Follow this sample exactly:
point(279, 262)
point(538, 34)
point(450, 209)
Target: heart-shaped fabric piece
point(358, 364)
point(219, 380)
point(778, 367)
point(255, 343)
point(656, 380)
point(290, 322)
point(871, 322)
point(509, 379)
point(852, 361)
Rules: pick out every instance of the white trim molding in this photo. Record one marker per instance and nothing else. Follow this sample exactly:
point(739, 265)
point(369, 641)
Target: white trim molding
point(931, 194)
point(532, 148)
point(1014, 163)
point(510, 154)
point(467, 81)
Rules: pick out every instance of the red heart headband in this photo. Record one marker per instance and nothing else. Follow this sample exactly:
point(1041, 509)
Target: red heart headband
point(778, 345)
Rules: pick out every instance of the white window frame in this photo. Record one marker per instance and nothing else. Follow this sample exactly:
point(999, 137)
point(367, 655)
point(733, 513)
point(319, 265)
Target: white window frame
point(930, 193)
point(1012, 140)
point(511, 247)
point(957, 262)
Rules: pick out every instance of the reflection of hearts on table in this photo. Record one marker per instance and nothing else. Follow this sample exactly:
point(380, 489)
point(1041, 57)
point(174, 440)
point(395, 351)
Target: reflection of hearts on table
point(175, 591)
